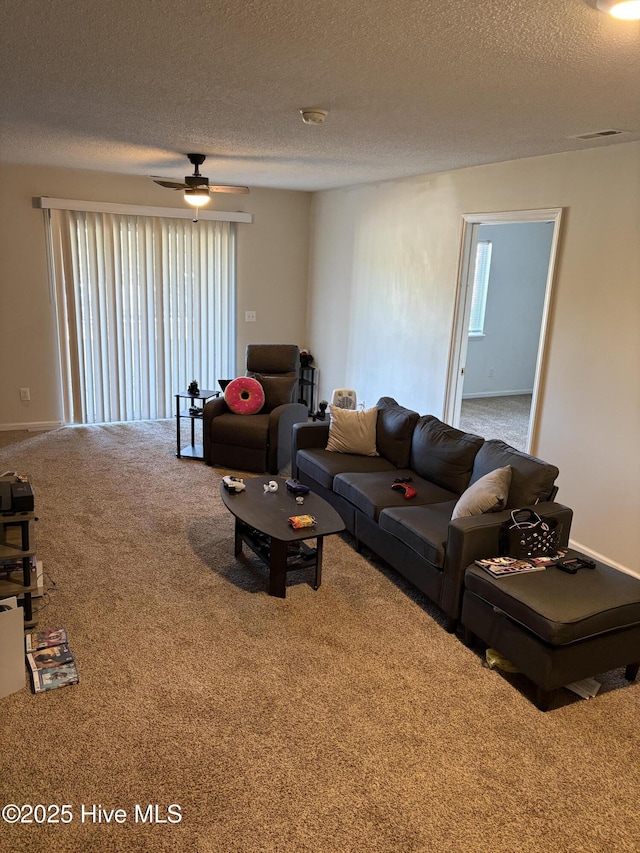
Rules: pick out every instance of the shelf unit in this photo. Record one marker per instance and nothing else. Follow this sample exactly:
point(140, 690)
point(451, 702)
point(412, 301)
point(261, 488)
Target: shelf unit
point(198, 401)
point(307, 388)
point(18, 545)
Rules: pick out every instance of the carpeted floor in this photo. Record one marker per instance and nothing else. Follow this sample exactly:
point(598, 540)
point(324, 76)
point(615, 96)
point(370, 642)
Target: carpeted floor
point(334, 721)
point(505, 417)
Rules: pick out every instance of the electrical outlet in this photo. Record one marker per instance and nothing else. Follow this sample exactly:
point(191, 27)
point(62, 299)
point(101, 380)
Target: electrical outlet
point(250, 316)
point(25, 395)
point(491, 373)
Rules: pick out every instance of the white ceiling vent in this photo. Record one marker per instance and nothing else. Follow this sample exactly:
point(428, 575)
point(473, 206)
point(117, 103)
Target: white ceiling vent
point(597, 134)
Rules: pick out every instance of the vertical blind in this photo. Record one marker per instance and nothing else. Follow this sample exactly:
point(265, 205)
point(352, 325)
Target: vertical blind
point(145, 305)
point(480, 287)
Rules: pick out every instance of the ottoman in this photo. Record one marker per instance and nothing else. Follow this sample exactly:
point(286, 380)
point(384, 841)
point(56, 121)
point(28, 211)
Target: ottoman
point(556, 628)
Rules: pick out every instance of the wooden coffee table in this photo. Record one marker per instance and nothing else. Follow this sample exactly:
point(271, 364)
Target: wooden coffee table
point(262, 523)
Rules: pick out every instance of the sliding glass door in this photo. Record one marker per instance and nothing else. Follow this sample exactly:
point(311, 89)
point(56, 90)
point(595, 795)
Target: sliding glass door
point(145, 304)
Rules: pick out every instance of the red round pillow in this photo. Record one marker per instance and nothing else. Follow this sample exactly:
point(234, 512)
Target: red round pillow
point(244, 396)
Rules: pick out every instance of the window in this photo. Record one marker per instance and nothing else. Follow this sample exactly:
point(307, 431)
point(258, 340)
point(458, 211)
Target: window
point(480, 287)
point(145, 304)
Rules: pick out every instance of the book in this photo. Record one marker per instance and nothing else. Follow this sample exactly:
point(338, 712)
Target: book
point(500, 567)
point(50, 660)
point(60, 676)
point(44, 639)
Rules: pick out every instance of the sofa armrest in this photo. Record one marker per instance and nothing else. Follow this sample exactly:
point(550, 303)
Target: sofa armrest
point(211, 410)
point(478, 537)
point(305, 436)
point(282, 421)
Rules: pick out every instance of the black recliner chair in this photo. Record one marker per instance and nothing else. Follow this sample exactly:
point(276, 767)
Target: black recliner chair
point(259, 443)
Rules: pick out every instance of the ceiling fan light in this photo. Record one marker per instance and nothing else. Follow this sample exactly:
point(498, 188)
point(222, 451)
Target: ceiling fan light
point(628, 10)
point(197, 198)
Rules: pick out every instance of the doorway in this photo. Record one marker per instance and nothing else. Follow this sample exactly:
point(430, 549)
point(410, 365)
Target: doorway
point(495, 369)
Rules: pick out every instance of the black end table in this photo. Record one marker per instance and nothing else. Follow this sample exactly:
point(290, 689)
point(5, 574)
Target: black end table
point(192, 413)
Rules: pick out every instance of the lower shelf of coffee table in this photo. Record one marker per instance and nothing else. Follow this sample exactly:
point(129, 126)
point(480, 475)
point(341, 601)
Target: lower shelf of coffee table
point(299, 554)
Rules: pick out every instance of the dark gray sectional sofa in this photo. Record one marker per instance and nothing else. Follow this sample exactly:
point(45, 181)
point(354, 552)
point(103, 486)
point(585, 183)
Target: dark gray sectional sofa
point(417, 537)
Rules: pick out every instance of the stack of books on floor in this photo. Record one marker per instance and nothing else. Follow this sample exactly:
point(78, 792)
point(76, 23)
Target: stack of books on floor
point(51, 663)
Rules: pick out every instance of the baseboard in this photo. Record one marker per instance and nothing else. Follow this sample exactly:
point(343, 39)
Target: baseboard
point(477, 394)
point(602, 559)
point(34, 426)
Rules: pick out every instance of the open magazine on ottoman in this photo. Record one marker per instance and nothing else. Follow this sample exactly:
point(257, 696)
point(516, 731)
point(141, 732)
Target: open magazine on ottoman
point(501, 567)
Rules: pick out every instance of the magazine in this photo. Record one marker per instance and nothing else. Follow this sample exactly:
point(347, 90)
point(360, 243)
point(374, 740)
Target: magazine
point(502, 566)
point(44, 639)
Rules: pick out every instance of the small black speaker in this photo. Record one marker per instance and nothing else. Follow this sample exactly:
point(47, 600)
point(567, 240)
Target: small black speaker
point(21, 497)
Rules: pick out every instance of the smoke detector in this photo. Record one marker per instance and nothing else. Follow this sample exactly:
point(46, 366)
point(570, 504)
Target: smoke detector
point(312, 115)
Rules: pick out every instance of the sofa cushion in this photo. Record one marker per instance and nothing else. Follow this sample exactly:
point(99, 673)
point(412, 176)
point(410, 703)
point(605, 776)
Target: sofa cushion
point(561, 608)
point(372, 492)
point(394, 430)
point(278, 390)
point(442, 454)
point(424, 529)
point(352, 431)
point(531, 479)
point(322, 465)
point(488, 494)
point(240, 430)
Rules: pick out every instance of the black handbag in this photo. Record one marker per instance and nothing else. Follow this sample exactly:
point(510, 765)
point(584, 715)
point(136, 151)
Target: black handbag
point(525, 534)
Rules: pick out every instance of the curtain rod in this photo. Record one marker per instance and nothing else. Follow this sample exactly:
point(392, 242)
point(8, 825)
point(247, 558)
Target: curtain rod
point(46, 203)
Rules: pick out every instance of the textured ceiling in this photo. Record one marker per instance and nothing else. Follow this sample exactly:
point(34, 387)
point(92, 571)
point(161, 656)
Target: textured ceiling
point(130, 86)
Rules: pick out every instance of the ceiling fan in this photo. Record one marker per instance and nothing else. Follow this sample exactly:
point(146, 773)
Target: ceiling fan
point(196, 187)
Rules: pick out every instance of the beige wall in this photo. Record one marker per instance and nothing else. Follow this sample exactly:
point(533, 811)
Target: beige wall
point(381, 297)
point(272, 264)
point(383, 275)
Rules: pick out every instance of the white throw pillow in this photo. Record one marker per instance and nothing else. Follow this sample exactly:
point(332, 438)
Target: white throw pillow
point(353, 431)
point(488, 494)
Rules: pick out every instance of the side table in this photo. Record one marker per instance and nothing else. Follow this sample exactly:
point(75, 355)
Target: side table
point(193, 413)
point(17, 548)
point(307, 387)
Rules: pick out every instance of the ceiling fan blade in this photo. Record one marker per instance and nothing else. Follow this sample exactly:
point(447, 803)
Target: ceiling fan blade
point(197, 181)
point(172, 185)
point(222, 188)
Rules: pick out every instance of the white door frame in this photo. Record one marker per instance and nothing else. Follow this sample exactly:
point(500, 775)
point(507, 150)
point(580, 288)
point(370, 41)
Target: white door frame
point(459, 337)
